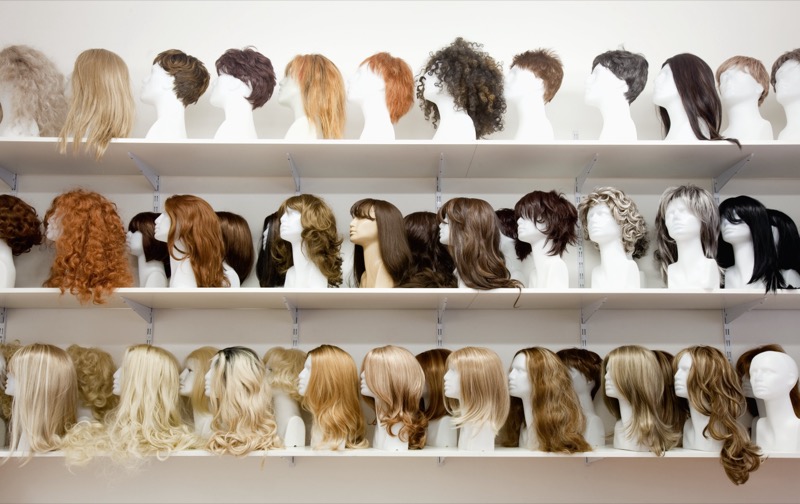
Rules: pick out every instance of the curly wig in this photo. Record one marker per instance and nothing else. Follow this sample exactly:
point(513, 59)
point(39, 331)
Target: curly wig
point(586, 362)
point(239, 253)
point(793, 55)
point(558, 215)
point(627, 66)
point(38, 88)
point(323, 91)
point(434, 366)
point(392, 238)
point(474, 80)
point(20, 227)
point(190, 74)
point(788, 242)
point(625, 212)
point(755, 68)
point(283, 365)
point(91, 255)
point(431, 264)
point(199, 362)
point(320, 239)
point(267, 269)
point(95, 369)
point(544, 64)
point(154, 250)
point(252, 68)
point(743, 370)
point(399, 81)
point(484, 388)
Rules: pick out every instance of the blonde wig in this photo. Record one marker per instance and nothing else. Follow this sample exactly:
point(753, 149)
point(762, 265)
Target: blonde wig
point(637, 375)
point(332, 398)
point(91, 253)
point(102, 104)
point(484, 388)
point(7, 350)
point(283, 365)
point(558, 419)
point(95, 370)
point(715, 391)
point(434, 366)
point(755, 68)
point(241, 401)
point(396, 379)
point(320, 239)
point(38, 88)
point(625, 212)
point(323, 91)
point(199, 362)
point(194, 223)
point(399, 80)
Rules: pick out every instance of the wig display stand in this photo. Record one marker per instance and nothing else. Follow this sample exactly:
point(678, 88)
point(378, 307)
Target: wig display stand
point(731, 314)
point(440, 323)
point(439, 177)
point(10, 178)
point(146, 313)
point(294, 313)
point(153, 177)
point(722, 179)
point(295, 174)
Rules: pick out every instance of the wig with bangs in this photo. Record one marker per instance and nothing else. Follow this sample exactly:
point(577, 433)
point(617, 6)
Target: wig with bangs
point(399, 81)
point(395, 253)
point(626, 214)
point(20, 227)
point(199, 362)
point(484, 388)
point(752, 67)
point(323, 91)
point(544, 64)
point(283, 365)
point(189, 73)
point(267, 268)
point(252, 68)
point(793, 55)
point(584, 361)
point(434, 366)
point(154, 250)
point(95, 371)
point(558, 215)
point(238, 242)
point(431, 264)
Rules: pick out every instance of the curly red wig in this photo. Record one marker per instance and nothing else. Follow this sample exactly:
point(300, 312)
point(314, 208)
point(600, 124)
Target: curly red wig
point(20, 227)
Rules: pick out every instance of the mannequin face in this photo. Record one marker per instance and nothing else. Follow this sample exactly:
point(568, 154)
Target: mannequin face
point(530, 231)
point(365, 391)
point(787, 82)
point(134, 241)
point(304, 377)
point(209, 375)
point(225, 88)
point(735, 233)
point(157, 84)
point(291, 228)
point(772, 375)
point(603, 84)
point(116, 387)
point(681, 375)
point(53, 228)
point(680, 221)
point(364, 83)
point(188, 376)
point(737, 86)
point(11, 385)
point(520, 83)
point(452, 384)
point(602, 225)
point(611, 386)
point(444, 232)
point(163, 223)
point(579, 382)
point(519, 384)
point(288, 90)
point(364, 231)
point(664, 89)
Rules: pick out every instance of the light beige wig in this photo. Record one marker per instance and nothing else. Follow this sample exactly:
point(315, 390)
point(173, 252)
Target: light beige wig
point(283, 365)
point(199, 362)
point(323, 92)
point(95, 370)
point(484, 388)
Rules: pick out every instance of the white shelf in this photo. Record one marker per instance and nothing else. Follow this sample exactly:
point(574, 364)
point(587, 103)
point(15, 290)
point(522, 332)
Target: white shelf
point(50, 298)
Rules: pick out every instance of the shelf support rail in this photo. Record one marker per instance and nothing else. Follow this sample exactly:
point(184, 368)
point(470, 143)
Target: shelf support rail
point(723, 178)
point(153, 177)
point(9, 178)
point(439, 177)
point(440, 323)
point(146, 312)
point(294, 313)
point(729, 315)
point(580, 180)
point(586, 313)
point(295, 174)
point(3, 318)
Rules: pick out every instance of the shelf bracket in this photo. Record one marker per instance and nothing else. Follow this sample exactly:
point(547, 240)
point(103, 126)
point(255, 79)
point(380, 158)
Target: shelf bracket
point(439, 177)
point(440, 461)
point(440, 323)
point(146, 313)
point(153, 177)
point(586, 313)
point(591, 460)
point(3, 318)
point(728, 316)
point(582, 176)
point(9, 178)
point(294, 313)
point(295, 174)
point(723, 178)
point(580, 180)
point(290, 460)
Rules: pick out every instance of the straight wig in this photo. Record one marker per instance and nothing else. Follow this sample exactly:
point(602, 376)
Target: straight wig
point(752, 67)
point(199, 362)
point(238, 243)
point(671, 411)
point(434, 366)
point(558, 215)
point(323, 91)
point(267, 269)
point(787, 243)
point(431, 264)
point(154, 250)
point(392, 239)
point(398, 79)
point(484, 388)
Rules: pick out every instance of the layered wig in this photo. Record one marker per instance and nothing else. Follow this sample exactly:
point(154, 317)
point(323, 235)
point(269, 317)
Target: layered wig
point(484, 388)
point(190, 74)
point(544, 64)
point(241, 401)
point(323, 92)
point(751, 66)
point(558, 215)
point(434, 366)
point(701, 203)
point(199, 362)
point(558, 419)
point(475, 244)
point(671, 411)
point(625, 212)
point(238, 242)
point(637, 375)
point(793, 55)
point(38, 89)
point(197, 227)
point(20, 227)
point(332, 397)
point(627, 66)
point(474, 80)
point(252, 68)
point(396, 379)
point(399, 80)
point(319, 236)
point(743, 370)
point(283, 365)
point(750, 211)
point(584, 361)
point(431, 264)
point(154, 250)
point(95, 371)
point(101, 107)
point(392, 239)
point(787, 244)
point(715, 392)
point(267, 269)
point(91, 253)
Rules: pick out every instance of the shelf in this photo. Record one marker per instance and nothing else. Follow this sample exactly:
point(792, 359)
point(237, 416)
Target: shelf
point(50, 298)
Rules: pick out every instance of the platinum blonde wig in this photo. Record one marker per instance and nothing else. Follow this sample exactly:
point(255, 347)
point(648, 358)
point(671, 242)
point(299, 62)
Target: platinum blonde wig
point(484, 388)
point(625, 212)
point(199, 362)
point(283, 365)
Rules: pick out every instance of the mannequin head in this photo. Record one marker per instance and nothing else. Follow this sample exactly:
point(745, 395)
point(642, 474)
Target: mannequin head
point(787, 240)
point(238, 243)
point(396, 381)
point(91, 233)
point(37, 88)
point(95, 372)
point(391, 236)
point(192, 378)
point(398, 81)
point(545, 65)
point(623, 211)
point(431, 261)
point(322, 90)
point(773, 375)
point(101, 106)
point(787, 91)
point(550, 215)
point(20, 227)
point(282, 367)
point(583, 363)
point(7, 350)
point(483, 388)
point(252, 68)
point(626, 66)
point(474, 80)
point(144, 223)
point(189, 74)
point(319, 237)
point(267, 268)
point(332, 398)
point(754, 68)
point(434, 366)
point(743, 371)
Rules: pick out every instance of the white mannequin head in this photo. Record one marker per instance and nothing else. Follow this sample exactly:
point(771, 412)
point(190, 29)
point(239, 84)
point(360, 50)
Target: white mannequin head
point(188, 376)
point(611, 387)
point(135, 242)
point(364, 231)
point(580, 383)
point(159, 83)
point(288, 91)
point(773, 375)
point(529, 231)
point(227, 88)
point(365, 391)
point(304, 377)
point(53, 232)
point(291, 227)
point(519, 384)
point(161, 231)
point(787, 82)
point(602, 84)
point(520, 82)
point(738, 86)
point(735, 233)
point(433, 88)
point(208, 377)
point(363, 84)
point(11, 385)
point(117, 385)
point(665, 92)
point(444, 232)
point(452, 384)
point(602, 226)
point(681, 375)
point(681, 221)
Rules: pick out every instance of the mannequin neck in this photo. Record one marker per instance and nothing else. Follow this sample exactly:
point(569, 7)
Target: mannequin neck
point(690, 250)
point(182, 271)
point(170, 122)
point(625, 412)
point(699, 421)
point(455, 125)
point(533, 122)
point(527, 407)
point(539, 253)
point(680, 129)
point(238, 110)
point(8, 272)
point(375, 273)
point(377, 120)
point(744, 259)
point(148, 268)
point(792, 110)
point(612, 252)
point(617, 121)
point(285, 408)
point(587, 405)
point(743, 112)
point(202, 423)
point(239, 123)
point(5, 252)
point(778, 411)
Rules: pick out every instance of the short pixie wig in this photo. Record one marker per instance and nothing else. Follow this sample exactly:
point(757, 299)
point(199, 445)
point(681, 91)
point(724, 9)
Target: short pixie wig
point(252, 68)
point(627, 66)
point(544, 64)
point(558, 215)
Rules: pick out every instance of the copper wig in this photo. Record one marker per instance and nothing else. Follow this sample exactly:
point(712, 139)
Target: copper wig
point(20, 227)
point(399, 80)
point(391, 236)
point(323, 91)
point(190, 74)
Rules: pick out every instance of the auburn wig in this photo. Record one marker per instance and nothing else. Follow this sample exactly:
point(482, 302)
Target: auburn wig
point(743, 370)
point(323, 92)
point(95, 371)
point(434, 366)
point(787, 244)
point(283, 365)
point(252, 68)
point(793, 55)
point(627, 66)
point(189, 73)
point(584, 361)
point(399, 80)
point(484, 388)
point(238, 243)
point(625, 212)
point(544, 64)
point(431, 264)
point(20, 227)
point(199, 362)
point(267, 269)
point(392, 239)
point(752, 67)
point(154, 250)
point(558, 215)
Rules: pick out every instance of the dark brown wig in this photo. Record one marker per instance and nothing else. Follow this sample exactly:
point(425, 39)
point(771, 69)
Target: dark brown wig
point(584, 361)
point(434, 366)
point(558, 214)
point(190, 74)
point(154, 250)
point(392, 238)
point(267, 269)
point(20, 227)
point(431, 264)
point(252, 68)
point(238, 243)
point(544, 64)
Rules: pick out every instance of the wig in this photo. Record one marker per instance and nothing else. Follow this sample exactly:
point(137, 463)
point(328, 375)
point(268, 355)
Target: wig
point(252, 68)
point(238, 243)
point(625, 212)
point(195, 224)
point(95, 371)
point(558, 215)
point(323, 92)
point(267, 270)
point(46, 399)
point(544, 64)
point(399, 80)
point(484, 388)
point(283, 365)
point(750, 211)
point(91, 255)
point(199, 362)
point(320, 239)
point(474, 80)
point(637, 375)
point(793, 55)
point(584, 361)
point(38, 88)
point(7, 350)
point(392, 239)
point(431, 264)
point(434, 366)
point(190, 74)
point(558, 419)
point(715, 392)
point(671, 411)
point(743, 370)
point(332, 397)
point(701, 204)
point(627, 66)
point(241, 401)
point(751, 66)
point(396, 379)
point(101, 107)
point(475, 244)
point(154, 250)
point(20, 227)
point(788, 243)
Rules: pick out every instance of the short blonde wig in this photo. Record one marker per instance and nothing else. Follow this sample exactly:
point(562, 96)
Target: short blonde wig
point(199, 362)
point(283, 365)
point(484, 388)
point(95, 370)
point(323, 92)
point(626, 214)
point(752, 66)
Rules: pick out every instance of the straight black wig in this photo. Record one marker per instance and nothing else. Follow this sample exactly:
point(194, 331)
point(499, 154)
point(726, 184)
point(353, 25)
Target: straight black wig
point(788, 245)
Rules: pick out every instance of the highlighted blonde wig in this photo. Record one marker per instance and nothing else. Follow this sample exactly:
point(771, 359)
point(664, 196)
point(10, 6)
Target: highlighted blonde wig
point(20, 227)
point(283, 365)
point(199, 362)
point(484, 388)
point(323, 92)
point(434, 366)
point(625, 212)
point(399, 80)
point(95, 370)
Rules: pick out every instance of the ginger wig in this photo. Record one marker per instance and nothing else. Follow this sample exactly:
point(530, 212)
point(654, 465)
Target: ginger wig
point(252, 68)
point(283, 365)
point(323, 91)
point(238, 242)
point(20, 227)
point(399, 80)
point(95, 370)
point(625, 212)
point(484, 388)
point(392, 238)
point(190, 74)
point(434, 366)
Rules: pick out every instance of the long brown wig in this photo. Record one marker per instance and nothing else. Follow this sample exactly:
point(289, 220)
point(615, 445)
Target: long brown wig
point(239, 253)
point(434, 366)
point(391, 237)
point(431, 263)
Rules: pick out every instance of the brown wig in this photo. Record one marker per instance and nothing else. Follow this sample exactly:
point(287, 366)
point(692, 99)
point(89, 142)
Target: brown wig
point(323, 92)
point(267, 269)
point(475, 244)
point(252, 68)
point(544, 64)
point(783, 58)
point(584, 361)
point(751, 66)
point(20, 227)
point(671, 411)
point(399, 81)
point(154, 250)
point(743, 370)
point(95, 369)
point(7, 350)
point(558, 214)
point(434, 366)
point(91, 254)
point(190, 74)
point(431, 265)
point(238, 243)
point(392, 239)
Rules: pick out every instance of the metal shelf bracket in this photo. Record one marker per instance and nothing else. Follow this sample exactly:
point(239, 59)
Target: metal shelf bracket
point(580, 180)
point(439, 177)
point(723, 178)
point(295, 174)
point(9, 178)
point(728, 316)
point(582, 176)
point(153, 177)
point(591, 460)
point(3, 318)
point(440, 461)
point(146, 313)
point(294, 313)
point(289, 460)
point(586, 313)
point(440, 323)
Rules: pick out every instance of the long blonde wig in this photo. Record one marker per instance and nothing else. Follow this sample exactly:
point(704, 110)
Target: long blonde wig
point(484, 388)
point(199, 362)
point(283, 365)
point(241, 401)
point(396, 379)
point(332, 397)
point(323, 92)
point(101, 107)
point(95, 370)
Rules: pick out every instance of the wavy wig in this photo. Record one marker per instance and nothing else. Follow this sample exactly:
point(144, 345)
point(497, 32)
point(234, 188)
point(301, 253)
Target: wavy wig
point(671, 411)
point(238, 242)
point(751, 66)
point(431, 264)
point(625, 212)
point(627, 66)
point(190, 74)
point(399, 80)
point(544, 64)
point(584, 361)
point(154, 250)
point(199, 362)
point(20, 227)
point(484, 388)
point(7, 350)
point(95, 371)
point(743, 370)
point(267, 269)
point(323, 92)
point(252, 68)
point(283, 365)
point(787, 244)
point(392, 239)
point(434, 366)
point(556, 212)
